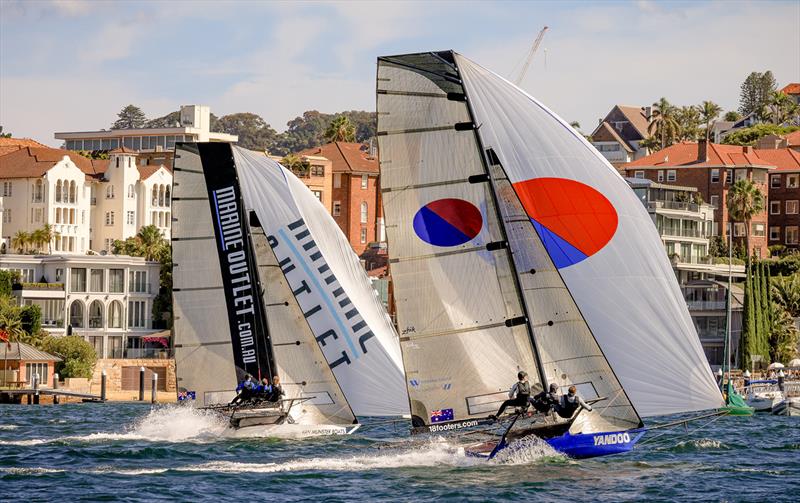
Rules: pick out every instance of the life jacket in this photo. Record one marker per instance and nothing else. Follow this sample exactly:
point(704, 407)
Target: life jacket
point(568, 407)
point(523, 388)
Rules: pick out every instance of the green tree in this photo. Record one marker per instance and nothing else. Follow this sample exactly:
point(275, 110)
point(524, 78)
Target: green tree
point(130, 117)
point(781, 109)
point(786, 293)
point(784, 338)
point(253, 131)
point(747, 339)
point(20, 241)
point(78, 355)
point(732, 116)
point(296, 164)
point(750, 135)
point(30, 318)
point(37, 240)
point(709, 111)
point(758, 308)
point(689, 121)
point(340, 129)
point(7, 281)
point(651, 143)
point(745, 200)
point(755, 92)
point(49, 234)
point(664, 123)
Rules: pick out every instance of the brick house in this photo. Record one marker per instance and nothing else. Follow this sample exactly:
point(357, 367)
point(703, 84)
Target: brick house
point(784, 196)
point(356, 204)
point(712, 168)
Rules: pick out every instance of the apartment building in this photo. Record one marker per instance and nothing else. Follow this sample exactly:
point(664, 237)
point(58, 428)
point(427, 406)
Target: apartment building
point(88, 203)
point(784, 196)
point(685, 225)
point(108, 300)
point(712, 169)
point(618, 135)
point(356, 205)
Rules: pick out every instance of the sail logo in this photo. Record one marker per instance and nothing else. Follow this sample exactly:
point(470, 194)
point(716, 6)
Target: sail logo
point(448, 222)
point(573, 220)
point(612, 439)
point(340, 330)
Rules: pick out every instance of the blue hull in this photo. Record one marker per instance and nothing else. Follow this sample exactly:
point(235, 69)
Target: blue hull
point(589, 445)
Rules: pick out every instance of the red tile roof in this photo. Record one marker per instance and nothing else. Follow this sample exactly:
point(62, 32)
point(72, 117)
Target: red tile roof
point(146, 172)
point(793, 138)
point(123, 150)
point(793, 88)
point(685, 154)
point(31, 162)
point(346, 157)
point(8, 145)
point(784, 159)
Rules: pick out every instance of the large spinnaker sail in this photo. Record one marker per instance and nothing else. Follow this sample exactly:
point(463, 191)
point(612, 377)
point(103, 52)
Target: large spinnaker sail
point(603, 243)
point(333, 311)
point(459, 311)
point(220, 333)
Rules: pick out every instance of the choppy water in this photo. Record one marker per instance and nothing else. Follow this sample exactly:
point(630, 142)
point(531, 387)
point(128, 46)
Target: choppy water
point(132, 452)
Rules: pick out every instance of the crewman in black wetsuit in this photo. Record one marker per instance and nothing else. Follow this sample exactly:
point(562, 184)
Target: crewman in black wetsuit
point(277, 389)
point(246, 390)
point(518, 395)
point(546, 401)
point(570, 403)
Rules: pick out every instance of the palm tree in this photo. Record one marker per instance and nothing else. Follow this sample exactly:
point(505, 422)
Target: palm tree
point(709, 111)
point(786, 292)
point(296, 164)
point(651, 143)
point(150, 242)
point(37, 239)
point(745, 200)
point(340, 129)
point(781, 108)
point(784, 336)
point(20, 241)
point(48, 234)
point(664, 123)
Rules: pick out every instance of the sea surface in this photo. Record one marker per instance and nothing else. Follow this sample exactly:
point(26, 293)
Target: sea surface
point(135, 452)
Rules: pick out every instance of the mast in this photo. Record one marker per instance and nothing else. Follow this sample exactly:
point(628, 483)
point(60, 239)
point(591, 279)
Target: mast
point(501, 221)
point(727, 357)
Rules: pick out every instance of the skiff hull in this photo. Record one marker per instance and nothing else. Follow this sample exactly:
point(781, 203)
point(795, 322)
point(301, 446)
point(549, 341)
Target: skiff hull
point(582, 445)
point(294, 431)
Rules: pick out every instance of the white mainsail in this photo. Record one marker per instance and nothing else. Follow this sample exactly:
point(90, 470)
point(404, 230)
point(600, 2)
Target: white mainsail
point(331, 299)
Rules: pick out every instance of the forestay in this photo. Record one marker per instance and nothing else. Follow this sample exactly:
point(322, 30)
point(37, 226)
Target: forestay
point(602, 243)
point(462, 322)
point(332, 310)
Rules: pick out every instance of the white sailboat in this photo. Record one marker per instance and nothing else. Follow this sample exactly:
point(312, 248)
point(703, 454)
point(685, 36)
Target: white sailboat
point(515, 246)
point(266, 284)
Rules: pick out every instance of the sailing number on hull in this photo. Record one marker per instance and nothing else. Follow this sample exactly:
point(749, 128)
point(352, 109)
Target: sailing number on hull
point(612, 439)
point(340, 330)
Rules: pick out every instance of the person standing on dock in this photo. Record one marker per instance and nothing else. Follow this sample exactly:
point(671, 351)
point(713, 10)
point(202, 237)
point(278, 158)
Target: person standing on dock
point(518, 395)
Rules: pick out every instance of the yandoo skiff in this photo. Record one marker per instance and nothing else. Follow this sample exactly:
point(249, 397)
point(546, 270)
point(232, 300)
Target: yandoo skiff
point(514, 245)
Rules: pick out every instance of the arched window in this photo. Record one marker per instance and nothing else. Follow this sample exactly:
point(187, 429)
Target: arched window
point(155, 196)
point(73, 191)
point(76, 314)
point(160, 219)
point(58, 191)
point(161, 195)
point(131, 191)
point(166, 200)
point(65, 192)
point(38, 191)
point(72, 216)
point(110, 192)
point(115, 314)
point(167, 220)
point(96, 314)
point(364, 212)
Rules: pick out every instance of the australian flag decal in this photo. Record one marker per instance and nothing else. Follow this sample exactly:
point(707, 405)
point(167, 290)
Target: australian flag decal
point(440, 416)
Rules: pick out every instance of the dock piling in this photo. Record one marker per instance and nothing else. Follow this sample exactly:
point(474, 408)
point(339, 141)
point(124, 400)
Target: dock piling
point(36, 389)
point(103, 385)
point(56, 398)
point(154, 391)
point(141, 384)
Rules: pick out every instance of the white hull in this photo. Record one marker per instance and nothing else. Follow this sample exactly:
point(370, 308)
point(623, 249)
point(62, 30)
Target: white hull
point(788, 407)
point(764, 404)
point(294, 431)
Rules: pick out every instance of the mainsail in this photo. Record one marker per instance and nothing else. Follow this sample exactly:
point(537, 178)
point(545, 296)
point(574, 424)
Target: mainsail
point(499, 182)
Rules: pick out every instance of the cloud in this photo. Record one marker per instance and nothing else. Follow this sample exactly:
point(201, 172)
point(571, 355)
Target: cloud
point(72, 7)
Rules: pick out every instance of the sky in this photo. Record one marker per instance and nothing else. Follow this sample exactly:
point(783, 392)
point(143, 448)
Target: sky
point(71, 65)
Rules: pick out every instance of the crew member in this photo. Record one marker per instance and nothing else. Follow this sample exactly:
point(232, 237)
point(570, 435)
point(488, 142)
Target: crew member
point(570, 403)
point(518, 395)
point(277, 389)
point(546, 401)
point(246, 390)
point(264, 390)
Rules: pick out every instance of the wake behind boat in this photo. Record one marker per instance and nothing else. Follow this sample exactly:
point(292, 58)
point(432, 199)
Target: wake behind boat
point(515, 246)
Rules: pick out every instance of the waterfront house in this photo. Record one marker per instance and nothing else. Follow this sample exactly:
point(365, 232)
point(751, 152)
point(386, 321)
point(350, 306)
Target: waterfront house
point(19, 362)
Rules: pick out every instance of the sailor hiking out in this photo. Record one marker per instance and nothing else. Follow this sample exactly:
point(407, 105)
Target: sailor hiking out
point(546, 401)
point(570, 403)
point(246, 390)
point(518, 395)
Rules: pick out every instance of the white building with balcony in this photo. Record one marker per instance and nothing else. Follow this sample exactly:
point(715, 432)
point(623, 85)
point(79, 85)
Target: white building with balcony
point(108, 300)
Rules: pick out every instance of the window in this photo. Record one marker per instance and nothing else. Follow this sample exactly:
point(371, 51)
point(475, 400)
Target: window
point(317, 194)
point(77, 279)
point(775, 181)
point(7, 216)
point(76, 314)
point(52, 311)
point(740, 174)
point(109, 243)
point(131, 192)
point(715, 175)
point(364, 212)
point(791, 181)
point(738, 229)
point(38, 191)
point(715, 201)
point(729, 176)
point(7, 189)
point(758, 230)
point(137, 281)
point(791, 207)
point(660, 175)
point(116, 280)
point(115, 315)
point(363, 234)
point(337, 208)
point(671, 175)
point(364, 181)
point(791, 235)
point(774, 233)
point(337, 180)
point(96, 314)
point(638, 174)
point(59, 275)
point(40, 369)
point(131, 217)
point(109, 218)
point(774, 207)
point(317, 170)
point(96, 280)
point(136, 314)
point(110, 192)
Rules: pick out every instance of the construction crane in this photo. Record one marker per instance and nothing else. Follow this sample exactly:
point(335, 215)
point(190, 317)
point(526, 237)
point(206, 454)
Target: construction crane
point(531, 53)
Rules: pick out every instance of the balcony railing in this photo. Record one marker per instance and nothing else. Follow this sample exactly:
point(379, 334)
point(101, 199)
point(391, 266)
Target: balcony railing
point(38, 286)
point(673, 205)
point(156, 353)
point(684, 233)
point(706, 305)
